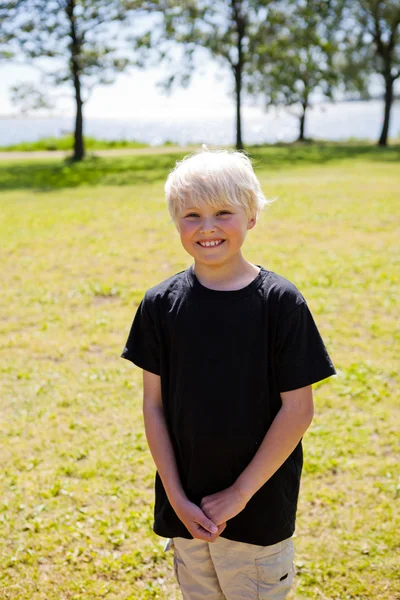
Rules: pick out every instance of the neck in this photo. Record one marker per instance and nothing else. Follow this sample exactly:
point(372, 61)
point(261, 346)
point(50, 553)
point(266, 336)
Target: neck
point(236, 272)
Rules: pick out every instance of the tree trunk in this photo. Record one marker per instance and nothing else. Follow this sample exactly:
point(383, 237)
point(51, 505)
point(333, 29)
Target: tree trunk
point(388, 105)
point(79, 148)
point(238, 92)
point(302, 119)
point(75, 47)
point(240, 21)
point(302, 124)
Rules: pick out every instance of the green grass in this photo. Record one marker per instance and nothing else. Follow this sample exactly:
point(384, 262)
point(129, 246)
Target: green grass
point(47, 175)
point(66, 142)
point(77, 477)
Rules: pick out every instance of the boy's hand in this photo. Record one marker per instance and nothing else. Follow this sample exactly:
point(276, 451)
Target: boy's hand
point(222, 506)
point(197, 523)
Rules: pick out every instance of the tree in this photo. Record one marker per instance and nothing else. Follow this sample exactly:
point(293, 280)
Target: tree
point(301, 59)
point(29, 98)
point(373, 45)
point(5, 36)
point(225, 28)
point(76, 36)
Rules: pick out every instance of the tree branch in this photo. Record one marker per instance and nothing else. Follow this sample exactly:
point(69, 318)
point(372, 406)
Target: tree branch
point(377, 34)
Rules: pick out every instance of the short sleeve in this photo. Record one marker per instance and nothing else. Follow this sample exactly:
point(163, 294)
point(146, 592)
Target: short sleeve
point(300, 354)
point(142, 346)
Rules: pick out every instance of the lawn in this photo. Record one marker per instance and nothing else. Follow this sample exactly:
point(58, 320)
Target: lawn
point(66, 142)
point(80, 245)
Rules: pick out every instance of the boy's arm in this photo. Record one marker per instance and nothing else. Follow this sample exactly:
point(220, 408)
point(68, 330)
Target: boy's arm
point(287, 429)
point(200, 526)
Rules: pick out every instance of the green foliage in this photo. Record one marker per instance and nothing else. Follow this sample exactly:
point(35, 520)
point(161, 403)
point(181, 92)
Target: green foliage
point(79, 36)
point(29, 98)
point(56, 29)
point(371, 44)
point(300, 58)
point(224, 30)
point(5, 36)
point(371, 37)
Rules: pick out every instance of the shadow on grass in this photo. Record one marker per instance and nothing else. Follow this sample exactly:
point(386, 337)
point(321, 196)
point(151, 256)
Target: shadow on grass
point(42, 175)
point(46, 175)
point(314, 153)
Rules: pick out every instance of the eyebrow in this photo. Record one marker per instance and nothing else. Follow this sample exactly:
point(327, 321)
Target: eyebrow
point(222, 207)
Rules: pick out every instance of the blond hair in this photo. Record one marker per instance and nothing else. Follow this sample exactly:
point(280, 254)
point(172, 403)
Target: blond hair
point(214, 177)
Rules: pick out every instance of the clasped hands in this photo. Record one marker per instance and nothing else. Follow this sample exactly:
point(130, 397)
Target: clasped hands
point(208, 521)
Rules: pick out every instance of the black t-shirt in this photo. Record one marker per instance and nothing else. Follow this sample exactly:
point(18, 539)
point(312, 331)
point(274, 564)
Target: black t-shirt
point(224, 357)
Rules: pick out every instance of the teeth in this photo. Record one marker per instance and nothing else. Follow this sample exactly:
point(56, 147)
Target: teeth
point(207, 244)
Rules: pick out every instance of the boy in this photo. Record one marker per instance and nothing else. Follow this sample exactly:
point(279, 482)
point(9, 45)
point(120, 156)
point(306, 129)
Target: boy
point(229, 351)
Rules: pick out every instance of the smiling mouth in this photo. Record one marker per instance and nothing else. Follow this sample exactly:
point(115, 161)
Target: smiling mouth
point(212, 244)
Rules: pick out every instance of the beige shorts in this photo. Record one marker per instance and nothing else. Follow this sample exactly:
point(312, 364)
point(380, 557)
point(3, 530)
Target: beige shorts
point(227, 570)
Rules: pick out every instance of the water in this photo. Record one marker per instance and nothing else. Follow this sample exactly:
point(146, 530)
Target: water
point(341, 121)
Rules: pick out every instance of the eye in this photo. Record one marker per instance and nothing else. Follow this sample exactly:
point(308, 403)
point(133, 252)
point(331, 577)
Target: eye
point(191, 215)
point(224, 212)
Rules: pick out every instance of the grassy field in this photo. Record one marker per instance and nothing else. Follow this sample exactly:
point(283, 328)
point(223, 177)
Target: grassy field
point(66, 142)
point(80, 245)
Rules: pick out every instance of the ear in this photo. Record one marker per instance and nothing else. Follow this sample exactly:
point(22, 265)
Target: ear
point(251, 222)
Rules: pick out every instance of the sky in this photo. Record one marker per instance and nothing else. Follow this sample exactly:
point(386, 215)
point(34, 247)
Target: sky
point(135, 95)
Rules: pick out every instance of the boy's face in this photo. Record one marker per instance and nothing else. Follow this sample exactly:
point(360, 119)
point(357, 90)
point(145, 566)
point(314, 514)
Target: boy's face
point(213, 235)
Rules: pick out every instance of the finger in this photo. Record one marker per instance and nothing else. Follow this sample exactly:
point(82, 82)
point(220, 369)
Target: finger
point(203, 506)
point(220, 530)
point(201, 534)
point(210, 513)
point(213, 516)
point(206, 523)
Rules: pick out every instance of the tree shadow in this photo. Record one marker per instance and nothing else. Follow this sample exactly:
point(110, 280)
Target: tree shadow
point(47, 175)
point(319, 153)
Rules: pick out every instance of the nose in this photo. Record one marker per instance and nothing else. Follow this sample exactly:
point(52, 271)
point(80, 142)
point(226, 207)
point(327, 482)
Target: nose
point(207, 225)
